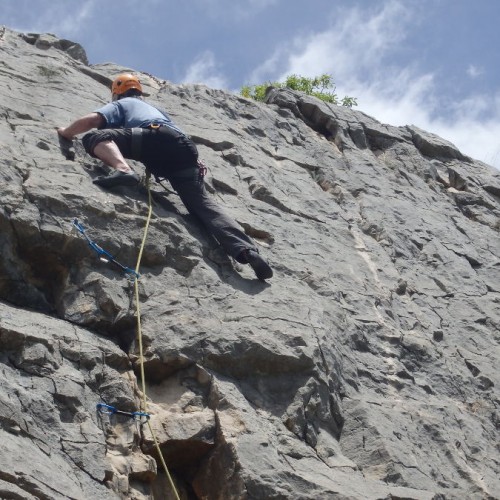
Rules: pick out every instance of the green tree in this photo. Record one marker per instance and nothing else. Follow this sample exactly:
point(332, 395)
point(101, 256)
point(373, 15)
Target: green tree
point(321, 87)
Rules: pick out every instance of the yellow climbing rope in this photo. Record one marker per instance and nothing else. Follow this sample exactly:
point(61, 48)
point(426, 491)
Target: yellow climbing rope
point(139, 338)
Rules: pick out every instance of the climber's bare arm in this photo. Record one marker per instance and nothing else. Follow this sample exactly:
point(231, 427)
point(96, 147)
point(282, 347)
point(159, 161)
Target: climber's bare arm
point(83, 124)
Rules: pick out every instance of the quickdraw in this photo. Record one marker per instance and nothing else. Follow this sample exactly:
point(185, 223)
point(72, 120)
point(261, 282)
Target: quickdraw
point(139, 416)
point(202, 169)
point(103, 254)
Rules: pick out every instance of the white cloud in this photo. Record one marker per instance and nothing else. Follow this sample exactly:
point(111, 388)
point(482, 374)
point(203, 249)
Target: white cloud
point(204, 70)
point(72, 23)
point(261, 4)
point(61, 18)
point(239, 10)
point(353, 44)
point(474, 71)
point(357, 51)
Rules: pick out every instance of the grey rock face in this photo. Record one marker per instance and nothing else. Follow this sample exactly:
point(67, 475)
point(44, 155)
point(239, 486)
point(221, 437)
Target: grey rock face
point(366, 368)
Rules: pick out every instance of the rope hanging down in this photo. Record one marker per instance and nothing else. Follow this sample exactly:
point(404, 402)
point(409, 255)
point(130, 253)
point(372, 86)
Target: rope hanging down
point(107, 257)
point(139, 339)
point(103, 254)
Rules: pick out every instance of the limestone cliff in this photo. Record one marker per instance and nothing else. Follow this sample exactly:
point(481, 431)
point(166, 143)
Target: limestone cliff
point(367, 368)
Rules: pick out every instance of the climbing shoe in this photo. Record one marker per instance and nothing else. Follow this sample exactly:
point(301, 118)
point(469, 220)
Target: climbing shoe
point(261, 268)
point(117, 178)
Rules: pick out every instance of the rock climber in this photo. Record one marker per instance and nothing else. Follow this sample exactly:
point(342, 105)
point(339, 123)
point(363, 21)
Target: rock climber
point(128, 127)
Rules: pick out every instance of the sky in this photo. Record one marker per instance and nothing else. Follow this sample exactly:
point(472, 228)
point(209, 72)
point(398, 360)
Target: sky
point(430, 63)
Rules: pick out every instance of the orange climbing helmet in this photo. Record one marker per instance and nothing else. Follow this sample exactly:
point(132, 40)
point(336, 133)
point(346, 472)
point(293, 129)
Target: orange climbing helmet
point(124, 82)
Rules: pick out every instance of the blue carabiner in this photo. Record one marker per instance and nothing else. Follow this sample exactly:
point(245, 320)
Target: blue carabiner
point(106, 409)
point(139, 415)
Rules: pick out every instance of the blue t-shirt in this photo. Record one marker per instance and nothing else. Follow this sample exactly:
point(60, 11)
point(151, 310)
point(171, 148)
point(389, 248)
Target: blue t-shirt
point(131, 112)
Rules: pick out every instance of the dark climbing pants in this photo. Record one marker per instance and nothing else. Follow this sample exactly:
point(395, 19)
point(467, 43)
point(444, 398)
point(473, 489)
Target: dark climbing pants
point(171, 155)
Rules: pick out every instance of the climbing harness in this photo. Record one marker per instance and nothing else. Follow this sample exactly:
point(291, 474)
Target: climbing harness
point(103, 254)
point(191, 173)
point(136, 140)
point(136, 143)
point(139, 416)
point(196, 173)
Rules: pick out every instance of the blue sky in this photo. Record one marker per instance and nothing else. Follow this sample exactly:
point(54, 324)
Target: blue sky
point(431, 63)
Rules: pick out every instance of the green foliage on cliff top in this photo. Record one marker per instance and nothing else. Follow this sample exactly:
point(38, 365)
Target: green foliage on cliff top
point(321, 87)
